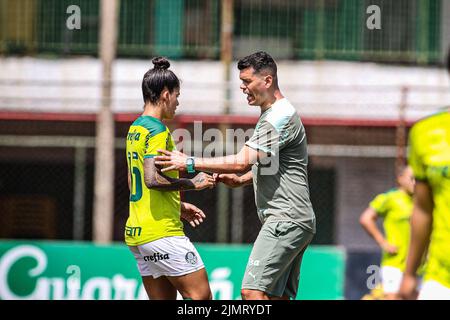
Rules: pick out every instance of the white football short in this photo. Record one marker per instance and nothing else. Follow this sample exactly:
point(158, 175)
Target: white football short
point(433, 290)
point(391, 279)
point(170, 256)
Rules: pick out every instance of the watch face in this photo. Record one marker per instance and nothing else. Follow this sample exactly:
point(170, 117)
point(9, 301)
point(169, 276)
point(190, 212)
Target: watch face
point(190, 165)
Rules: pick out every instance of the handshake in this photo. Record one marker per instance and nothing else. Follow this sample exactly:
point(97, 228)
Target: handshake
point(175, 160)
point(203, 180)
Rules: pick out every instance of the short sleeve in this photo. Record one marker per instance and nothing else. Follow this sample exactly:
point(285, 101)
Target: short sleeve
point(155, 142)
point(266, 138)
point(414, 158)
point(380, 204)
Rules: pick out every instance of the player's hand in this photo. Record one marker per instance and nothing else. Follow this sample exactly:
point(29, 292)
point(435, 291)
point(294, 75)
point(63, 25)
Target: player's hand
point(231, 180)
point(389, 248)
point(203, 181)
point(408, 288)
point(171, 160)
point(192, 214)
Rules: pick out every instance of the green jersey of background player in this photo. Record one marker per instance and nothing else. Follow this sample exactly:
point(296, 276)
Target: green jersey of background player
point(395, 208)
point(277, 157)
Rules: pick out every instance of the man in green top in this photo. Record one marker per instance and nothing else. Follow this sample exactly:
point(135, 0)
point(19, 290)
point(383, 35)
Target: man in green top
point(429, 157)
point(277, 157)
point(395, 207)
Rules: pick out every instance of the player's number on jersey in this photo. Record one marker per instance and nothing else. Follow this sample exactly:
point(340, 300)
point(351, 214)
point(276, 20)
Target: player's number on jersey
point(136, 179)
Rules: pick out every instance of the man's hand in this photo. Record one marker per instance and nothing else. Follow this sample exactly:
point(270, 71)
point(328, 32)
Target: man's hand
point(192, 214)
point(231, 180)
point(408, 287)
point(389, 248)
point(203, 181)
point(171, 160)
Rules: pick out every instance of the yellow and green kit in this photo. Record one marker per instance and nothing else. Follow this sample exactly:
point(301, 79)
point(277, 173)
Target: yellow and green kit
point(429, 157)
point(153, 214)
point(395, 207)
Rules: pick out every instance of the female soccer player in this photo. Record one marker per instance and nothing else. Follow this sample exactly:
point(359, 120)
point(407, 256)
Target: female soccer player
point(395, 208)
point(166, 258)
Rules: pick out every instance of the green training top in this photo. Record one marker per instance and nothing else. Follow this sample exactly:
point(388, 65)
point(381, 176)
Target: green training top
point(280, 181)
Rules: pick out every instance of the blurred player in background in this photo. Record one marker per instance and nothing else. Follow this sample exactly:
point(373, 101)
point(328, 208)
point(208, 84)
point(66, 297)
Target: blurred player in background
point(395, 208)
point(166, 258)
point(277, 157)
point(429, 156)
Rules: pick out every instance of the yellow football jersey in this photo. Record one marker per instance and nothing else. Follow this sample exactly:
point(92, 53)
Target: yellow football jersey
point(395, 207)
point(429, 157)
point(153, 214)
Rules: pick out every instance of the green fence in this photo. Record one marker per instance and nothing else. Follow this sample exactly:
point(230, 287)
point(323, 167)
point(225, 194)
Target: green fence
point(75, 270)
point(174, 28)
point(294, 29)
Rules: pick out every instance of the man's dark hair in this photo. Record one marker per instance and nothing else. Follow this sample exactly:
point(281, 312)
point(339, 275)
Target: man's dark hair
point(158, 78)
point(259, 61)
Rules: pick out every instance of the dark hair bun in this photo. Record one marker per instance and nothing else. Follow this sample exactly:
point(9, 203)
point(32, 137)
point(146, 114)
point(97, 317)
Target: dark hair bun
point(161, 63)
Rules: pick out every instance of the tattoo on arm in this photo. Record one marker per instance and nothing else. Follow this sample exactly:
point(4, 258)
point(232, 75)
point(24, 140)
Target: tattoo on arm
point(155, 179)
point(201, 179)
